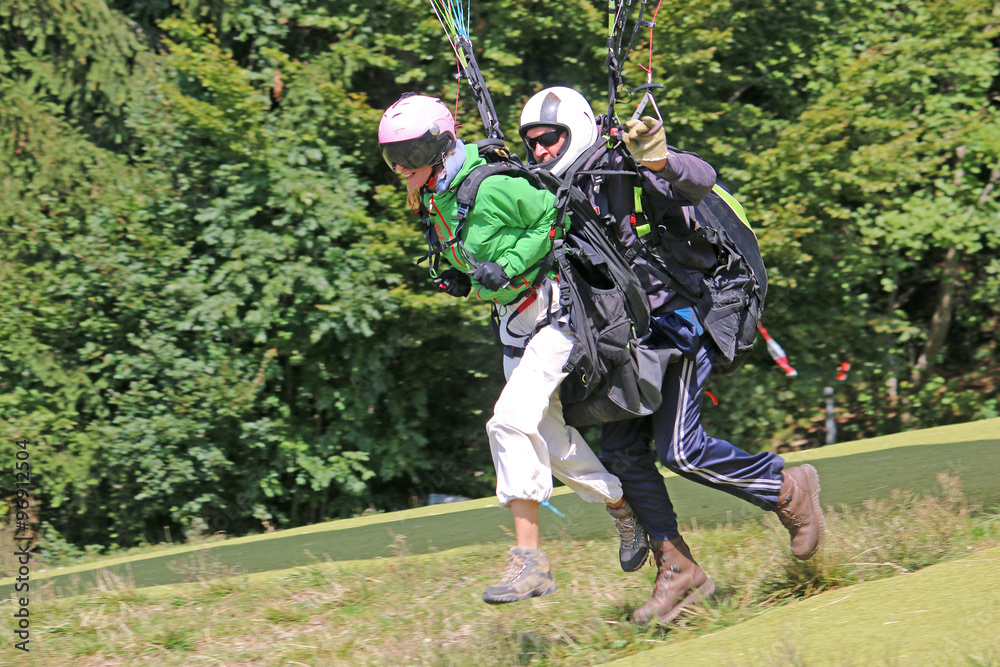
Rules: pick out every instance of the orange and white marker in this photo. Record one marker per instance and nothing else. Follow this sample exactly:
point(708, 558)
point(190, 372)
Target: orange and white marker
point(777, 353)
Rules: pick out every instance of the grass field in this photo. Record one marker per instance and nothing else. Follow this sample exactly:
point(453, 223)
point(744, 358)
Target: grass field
point(946, 614)
point(404, 588)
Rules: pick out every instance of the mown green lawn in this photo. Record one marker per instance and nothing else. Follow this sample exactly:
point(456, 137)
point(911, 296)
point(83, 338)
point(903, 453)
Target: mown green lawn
point(849, 473)
point(946, 614)
point(909, 574)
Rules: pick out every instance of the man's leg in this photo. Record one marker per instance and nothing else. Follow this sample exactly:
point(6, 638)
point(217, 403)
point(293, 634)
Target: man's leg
point(760, 479)
point(685, 448)
point(626, 451)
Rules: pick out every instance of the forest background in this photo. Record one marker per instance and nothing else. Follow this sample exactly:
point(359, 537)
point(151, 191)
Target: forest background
point(212, 318)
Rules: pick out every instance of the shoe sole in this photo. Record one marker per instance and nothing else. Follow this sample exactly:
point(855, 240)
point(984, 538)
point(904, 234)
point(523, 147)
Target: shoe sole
point(533, 593)
point(635, 563)
point(813, 479)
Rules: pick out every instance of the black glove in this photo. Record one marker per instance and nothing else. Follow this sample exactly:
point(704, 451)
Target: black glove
point(491, 276)
point(454, 283)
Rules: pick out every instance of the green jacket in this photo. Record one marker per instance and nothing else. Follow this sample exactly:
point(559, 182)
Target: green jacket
point(509, 224)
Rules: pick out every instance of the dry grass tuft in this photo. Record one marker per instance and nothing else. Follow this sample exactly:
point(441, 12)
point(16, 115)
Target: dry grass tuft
point(427, 609)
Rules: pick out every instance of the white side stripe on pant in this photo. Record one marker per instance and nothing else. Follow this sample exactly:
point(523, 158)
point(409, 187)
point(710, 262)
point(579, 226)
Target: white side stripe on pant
point(688, 369)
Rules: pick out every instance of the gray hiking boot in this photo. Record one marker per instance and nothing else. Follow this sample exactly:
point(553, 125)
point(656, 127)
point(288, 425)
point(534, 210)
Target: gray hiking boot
point(634, 548)
point(527, 576)
point(679, 583)
point(799, 510)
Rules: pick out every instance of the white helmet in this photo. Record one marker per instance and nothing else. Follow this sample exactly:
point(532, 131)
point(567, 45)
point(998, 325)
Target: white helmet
point(566, 109)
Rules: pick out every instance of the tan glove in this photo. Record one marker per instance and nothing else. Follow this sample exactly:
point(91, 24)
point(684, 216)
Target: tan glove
point(646, 140)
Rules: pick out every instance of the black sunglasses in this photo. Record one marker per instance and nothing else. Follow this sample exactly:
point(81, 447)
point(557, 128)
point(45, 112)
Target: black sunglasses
point(547, 139)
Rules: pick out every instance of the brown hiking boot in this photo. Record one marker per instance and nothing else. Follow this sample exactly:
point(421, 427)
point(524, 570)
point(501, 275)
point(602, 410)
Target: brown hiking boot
point(527, 576)
point(679, 582)
point(633, 546)
point(800, 511)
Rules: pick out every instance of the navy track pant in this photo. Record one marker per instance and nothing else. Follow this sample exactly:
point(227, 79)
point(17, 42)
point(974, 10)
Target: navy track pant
point(684, 447)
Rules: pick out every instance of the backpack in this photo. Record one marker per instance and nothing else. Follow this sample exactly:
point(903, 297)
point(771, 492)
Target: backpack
point(738, 286)
point(730, 300)
point(610, 376)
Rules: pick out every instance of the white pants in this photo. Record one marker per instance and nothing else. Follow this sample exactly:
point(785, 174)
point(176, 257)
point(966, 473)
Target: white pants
point(529, 439)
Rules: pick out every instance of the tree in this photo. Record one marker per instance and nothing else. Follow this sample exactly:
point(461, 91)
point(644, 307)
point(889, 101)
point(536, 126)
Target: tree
point(214, 317)
point(880, 211)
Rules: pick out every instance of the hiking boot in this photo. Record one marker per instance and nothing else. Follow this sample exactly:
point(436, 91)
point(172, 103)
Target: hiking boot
point(800, 511)
point(679, 582)
point(634, 547)
point(527, 576)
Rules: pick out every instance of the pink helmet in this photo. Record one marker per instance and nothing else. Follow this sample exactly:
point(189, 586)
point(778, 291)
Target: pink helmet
point(416, 131)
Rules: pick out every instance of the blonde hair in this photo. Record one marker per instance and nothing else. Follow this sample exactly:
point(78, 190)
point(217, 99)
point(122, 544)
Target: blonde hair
point(413, 199)
point(413, 196)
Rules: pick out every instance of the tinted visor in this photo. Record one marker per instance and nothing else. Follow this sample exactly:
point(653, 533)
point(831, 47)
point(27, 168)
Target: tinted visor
point(415, 153)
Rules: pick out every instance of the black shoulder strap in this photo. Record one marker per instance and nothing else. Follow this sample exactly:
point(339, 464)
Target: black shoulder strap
point(499, 160)
point(495, 150)
point(468, 189)
point(433, 242)
point(589, 225)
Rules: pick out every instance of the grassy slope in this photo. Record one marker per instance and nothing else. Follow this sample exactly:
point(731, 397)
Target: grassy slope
point(363, 612)
point(850, 473)
point(946, 614)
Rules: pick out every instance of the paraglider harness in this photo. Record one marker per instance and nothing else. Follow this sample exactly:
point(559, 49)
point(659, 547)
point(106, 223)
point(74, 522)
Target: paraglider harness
point(610, 376)
point(730, 299)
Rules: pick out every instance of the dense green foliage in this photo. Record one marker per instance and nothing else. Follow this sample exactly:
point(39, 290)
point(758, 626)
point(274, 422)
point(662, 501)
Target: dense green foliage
point(213, 318)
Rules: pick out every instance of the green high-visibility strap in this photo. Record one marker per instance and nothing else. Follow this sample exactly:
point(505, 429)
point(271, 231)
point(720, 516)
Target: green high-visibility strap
point(640, 230)
point(733, 204)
